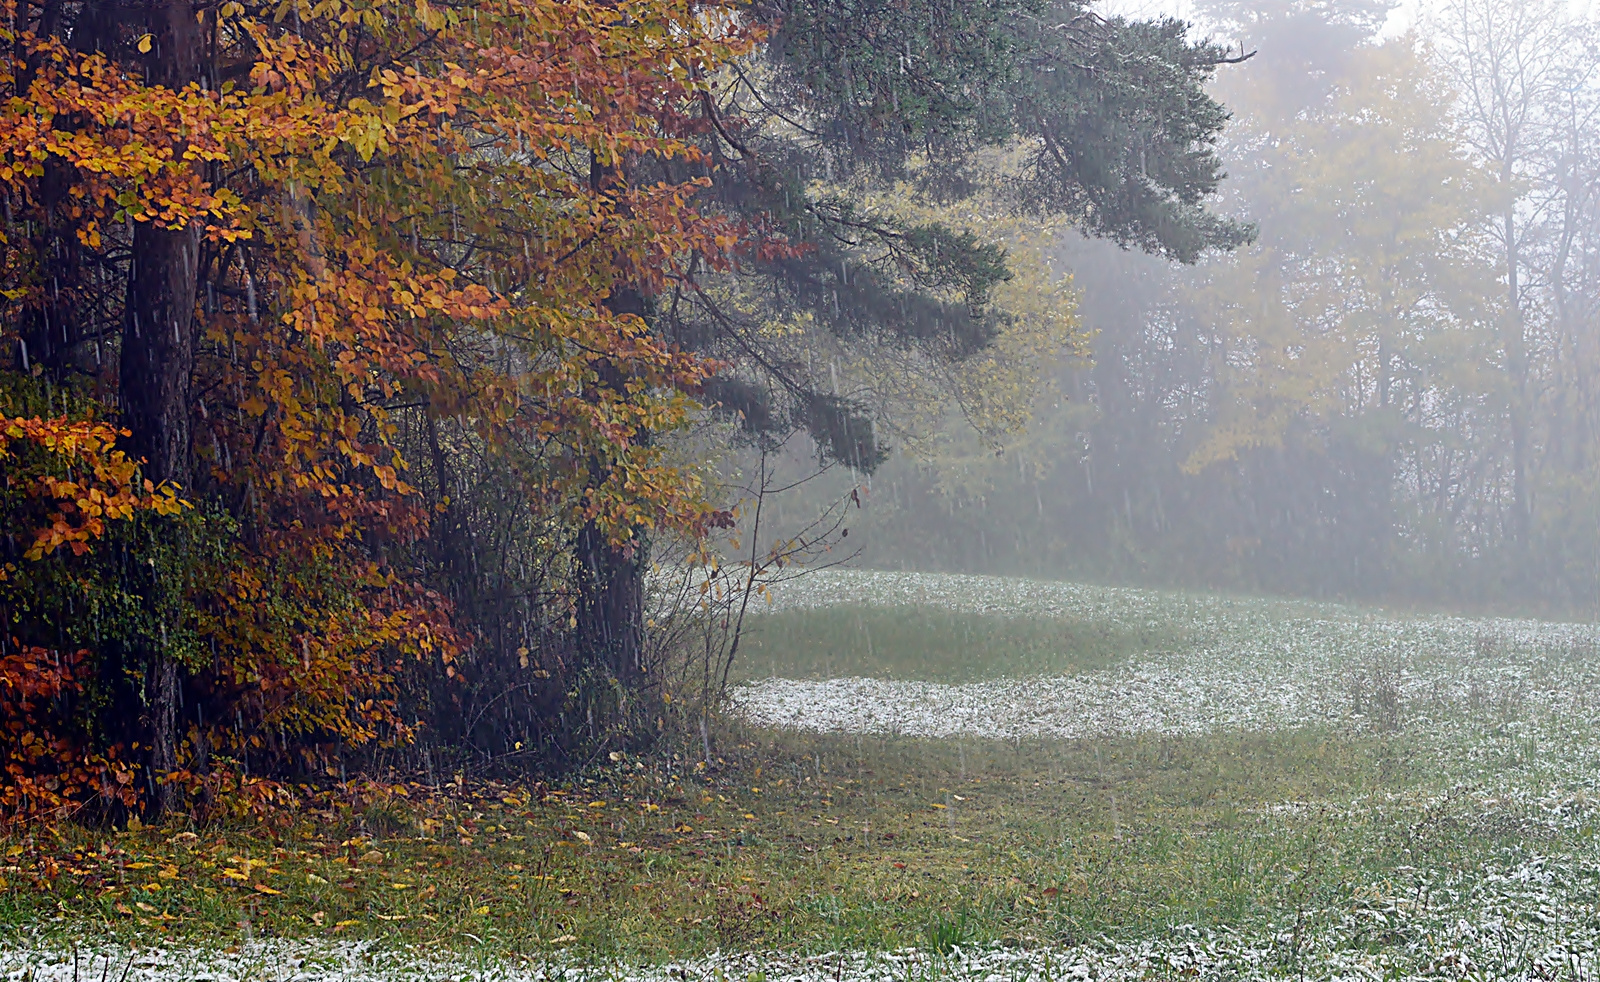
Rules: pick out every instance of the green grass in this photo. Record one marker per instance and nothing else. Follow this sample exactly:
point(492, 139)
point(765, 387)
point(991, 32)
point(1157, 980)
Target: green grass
point(810, 843)
point(932, 644)
point(799, 844)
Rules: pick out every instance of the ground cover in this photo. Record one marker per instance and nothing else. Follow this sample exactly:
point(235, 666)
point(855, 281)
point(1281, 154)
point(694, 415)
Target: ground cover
point(1318, 791)
point(864, 640)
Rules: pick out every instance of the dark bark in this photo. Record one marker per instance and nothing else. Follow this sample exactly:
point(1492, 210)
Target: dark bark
point(51, 325)
point(157, 369)
point(611, 605)
point(610, 629)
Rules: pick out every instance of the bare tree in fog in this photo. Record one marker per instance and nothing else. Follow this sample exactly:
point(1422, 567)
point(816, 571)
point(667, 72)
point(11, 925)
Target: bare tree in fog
point(1512, 62)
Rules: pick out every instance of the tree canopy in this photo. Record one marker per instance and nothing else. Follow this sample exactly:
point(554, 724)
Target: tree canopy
point(359, 343)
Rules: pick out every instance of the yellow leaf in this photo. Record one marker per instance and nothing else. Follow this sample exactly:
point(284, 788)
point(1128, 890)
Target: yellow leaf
point(144, 44)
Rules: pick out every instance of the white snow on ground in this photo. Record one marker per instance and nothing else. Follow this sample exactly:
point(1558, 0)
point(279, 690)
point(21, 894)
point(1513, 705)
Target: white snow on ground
point(1250, 665)
point(1149, 698)
point(1473, 693)
point(1535, 919)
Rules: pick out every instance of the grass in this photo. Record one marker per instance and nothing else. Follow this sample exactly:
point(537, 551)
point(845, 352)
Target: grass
point(812, 845)
point(937, 645)
point(831, 842)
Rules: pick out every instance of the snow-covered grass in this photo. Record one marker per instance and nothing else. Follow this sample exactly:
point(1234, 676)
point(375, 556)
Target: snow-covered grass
point(1227, 664)
point(1535, 918)
point(994, 779)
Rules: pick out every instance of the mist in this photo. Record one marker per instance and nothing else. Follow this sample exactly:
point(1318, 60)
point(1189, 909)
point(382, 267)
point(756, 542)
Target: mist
point(1389, 396)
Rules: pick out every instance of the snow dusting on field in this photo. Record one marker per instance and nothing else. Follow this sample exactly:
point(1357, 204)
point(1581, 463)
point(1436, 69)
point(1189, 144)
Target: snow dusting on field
point(1534, 919)
point(1473, 693)
point(1249, 665)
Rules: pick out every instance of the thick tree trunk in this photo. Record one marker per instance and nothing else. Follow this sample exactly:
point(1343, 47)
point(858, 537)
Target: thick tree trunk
point(157, 366)
point(611, 605)
point(611, 589)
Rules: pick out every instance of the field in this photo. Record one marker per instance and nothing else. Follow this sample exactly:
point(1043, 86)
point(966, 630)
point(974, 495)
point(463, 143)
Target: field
point(940, 777)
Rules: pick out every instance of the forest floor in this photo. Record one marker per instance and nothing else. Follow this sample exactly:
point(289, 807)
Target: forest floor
point(935, 776)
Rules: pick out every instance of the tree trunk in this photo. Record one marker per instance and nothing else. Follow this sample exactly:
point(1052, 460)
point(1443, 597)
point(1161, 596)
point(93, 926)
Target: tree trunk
point(157, 368)
point(610, 629)
point(611, 605)
point(1517, 363)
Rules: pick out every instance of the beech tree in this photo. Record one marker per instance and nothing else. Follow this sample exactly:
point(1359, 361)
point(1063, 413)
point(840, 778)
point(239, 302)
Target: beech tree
point(305, 233)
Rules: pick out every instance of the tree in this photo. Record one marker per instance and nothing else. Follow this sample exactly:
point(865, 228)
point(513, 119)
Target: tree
point(374, 221)
point(1507, 60)
point(1109, 126)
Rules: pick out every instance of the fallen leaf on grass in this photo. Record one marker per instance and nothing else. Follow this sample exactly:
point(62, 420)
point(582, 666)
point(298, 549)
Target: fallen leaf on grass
point(263, 888)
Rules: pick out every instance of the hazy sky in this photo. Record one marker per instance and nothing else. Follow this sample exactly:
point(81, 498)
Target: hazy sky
point(1403, 17)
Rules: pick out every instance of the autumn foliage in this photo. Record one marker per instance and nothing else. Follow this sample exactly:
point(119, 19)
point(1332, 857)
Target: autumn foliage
point(105, 485)
point(409, 217)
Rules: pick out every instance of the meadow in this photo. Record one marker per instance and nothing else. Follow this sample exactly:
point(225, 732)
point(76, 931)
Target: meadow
point(928, 776)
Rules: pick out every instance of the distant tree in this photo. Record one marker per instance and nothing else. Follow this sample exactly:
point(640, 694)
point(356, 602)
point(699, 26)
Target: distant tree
point(1511, 64)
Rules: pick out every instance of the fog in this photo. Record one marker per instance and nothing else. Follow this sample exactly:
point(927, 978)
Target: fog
point(1404, 16)
point(1392, 395)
